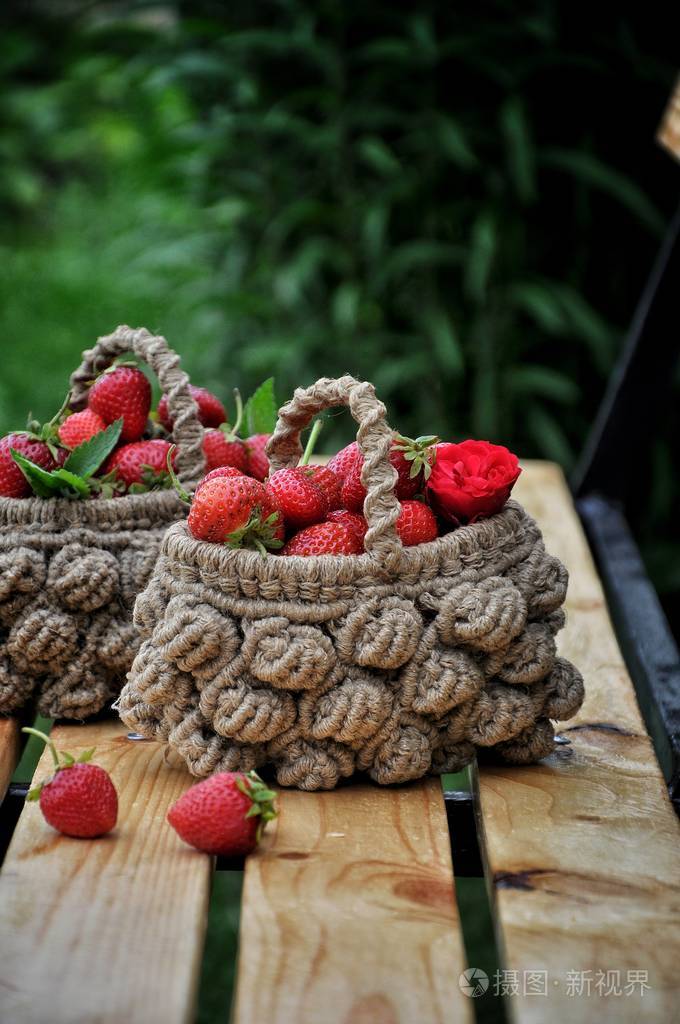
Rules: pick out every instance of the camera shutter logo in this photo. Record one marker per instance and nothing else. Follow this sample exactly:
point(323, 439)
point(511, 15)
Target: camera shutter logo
point(474, 982)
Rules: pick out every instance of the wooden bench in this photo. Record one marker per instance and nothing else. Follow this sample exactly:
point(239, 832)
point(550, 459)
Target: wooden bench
point(349, 909)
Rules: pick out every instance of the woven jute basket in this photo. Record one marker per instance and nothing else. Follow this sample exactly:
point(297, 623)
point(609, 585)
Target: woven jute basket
point(70, 570)
point(397, 662)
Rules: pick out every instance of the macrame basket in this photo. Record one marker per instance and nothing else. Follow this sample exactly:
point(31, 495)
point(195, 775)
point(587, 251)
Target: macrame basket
point(397, 662)
point(70, 570)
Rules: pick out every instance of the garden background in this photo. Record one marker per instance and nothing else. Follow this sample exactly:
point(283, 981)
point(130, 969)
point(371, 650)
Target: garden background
point(460, 202)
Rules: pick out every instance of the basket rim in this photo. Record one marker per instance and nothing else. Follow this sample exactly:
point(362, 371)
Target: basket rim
point(97, 513)
point(217, 560)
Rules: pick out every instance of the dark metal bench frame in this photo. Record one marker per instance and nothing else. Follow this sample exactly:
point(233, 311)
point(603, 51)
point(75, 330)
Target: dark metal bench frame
point(603, 488)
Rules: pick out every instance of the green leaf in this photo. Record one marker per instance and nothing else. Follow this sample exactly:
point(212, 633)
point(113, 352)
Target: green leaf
point(482, 252)
point(86, 755)
point(530, 380)
point(519, 148)
point(88, 456)
point(378, 155)
point(261, 411)
point(593, 172)
point(447, 346)
point(49, 484)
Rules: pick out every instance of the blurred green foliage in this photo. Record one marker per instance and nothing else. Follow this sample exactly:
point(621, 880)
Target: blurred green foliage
point(458, 202)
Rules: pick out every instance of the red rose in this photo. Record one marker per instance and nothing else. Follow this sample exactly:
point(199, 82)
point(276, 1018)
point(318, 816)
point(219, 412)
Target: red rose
point(471, 480)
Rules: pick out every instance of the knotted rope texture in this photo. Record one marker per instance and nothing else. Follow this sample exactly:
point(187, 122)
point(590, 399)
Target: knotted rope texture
point(398, 662)
point(70, 570)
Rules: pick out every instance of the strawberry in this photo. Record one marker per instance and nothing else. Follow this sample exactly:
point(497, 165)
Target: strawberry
point(258, 463)
point(345, 459)
point(417, 523)
point(295, 492)
point(329, 482)
point(237, 511)
point(215, 474)
point(80, 799)
point(13, 483)
point(412, 460)
point(222, 448)
point(141, 465)
point(80, 427)
point(122, 391)
point(225, 814)
point(211, 412)
point(325, 539)
point(355, 521)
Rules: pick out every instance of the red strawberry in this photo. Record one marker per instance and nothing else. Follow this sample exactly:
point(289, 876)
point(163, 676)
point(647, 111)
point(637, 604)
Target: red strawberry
point(258, 463)
point(295, 492)
point(80, 799)
point(142, 464)
point(80, 427)
point(211, 412)
point(345, 459)
point(329, 482)
point(417, 523)
point(224, 815)
point(412, 460)
point(122, 391)
point(325, 539)
point(13, 483)
point(222, 449)
point(237, 511)
point(215, 474)
point(355, 521)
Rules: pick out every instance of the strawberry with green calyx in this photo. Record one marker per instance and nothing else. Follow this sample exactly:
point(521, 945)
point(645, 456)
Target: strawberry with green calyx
point(80, 799)
point(122, 392)
point(412, 459)
point(211, 412)
point(420, 453)
point(73, 477)
point(223, 446)
point(236, 511)
point(214, 474)
point(225, 815)
point(141, 465)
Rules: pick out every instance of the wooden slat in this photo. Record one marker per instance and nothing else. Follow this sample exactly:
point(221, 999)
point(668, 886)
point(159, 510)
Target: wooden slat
point(349, 914)
point(9, 751)
point(668, 134)
point(585, 848)
point(104, 930)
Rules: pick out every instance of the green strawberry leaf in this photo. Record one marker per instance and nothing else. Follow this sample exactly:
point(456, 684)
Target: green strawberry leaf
point(261, 410)
point(50, 484)
point(42, 482)
point(88, 456)
point(86, 756)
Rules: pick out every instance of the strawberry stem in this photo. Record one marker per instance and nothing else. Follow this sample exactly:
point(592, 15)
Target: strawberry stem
point(48, 742)
point(311, 442)
point(184, 495)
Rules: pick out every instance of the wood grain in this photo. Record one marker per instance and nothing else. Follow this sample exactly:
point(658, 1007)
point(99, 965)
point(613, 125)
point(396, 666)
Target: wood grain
point(668, 134)
point(10, 748)
point(349, 914)
point(109, 929)
point(584, 849)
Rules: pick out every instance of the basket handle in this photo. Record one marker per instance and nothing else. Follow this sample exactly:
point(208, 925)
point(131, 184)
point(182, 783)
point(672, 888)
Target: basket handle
point(374, 438)
point(155, 352)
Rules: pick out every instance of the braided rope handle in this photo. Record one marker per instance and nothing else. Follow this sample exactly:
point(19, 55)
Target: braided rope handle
point(155, 352)
point(374, 437)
